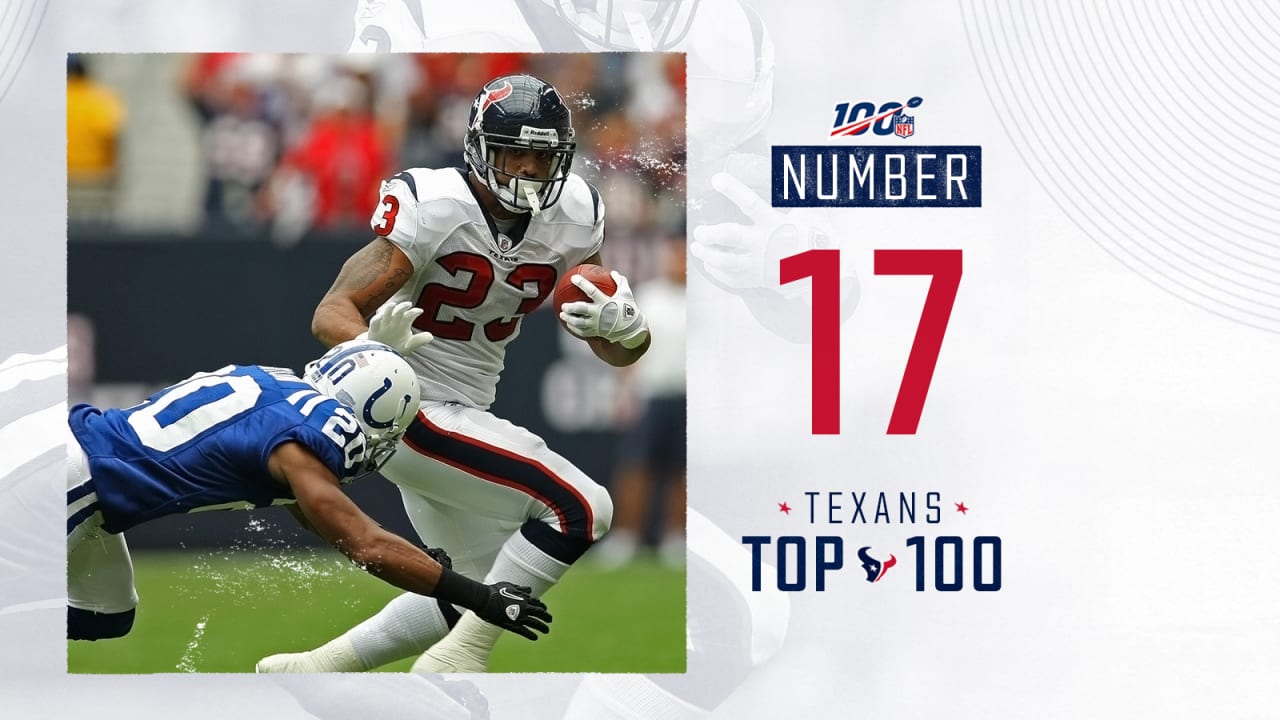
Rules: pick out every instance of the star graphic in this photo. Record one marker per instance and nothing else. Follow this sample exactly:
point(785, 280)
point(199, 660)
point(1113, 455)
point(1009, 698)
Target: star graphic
point(960, 508)
point(783, 507)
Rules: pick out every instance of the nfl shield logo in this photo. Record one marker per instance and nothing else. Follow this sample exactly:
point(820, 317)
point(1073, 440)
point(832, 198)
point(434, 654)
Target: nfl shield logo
point(904, 125)
point(504, 242)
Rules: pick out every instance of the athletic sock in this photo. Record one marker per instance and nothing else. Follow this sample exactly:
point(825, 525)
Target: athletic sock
point(407, 625)
point(334, 656)
point(467, 647)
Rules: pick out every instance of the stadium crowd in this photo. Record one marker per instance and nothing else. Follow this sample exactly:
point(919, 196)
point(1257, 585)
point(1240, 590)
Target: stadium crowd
point(293, 143)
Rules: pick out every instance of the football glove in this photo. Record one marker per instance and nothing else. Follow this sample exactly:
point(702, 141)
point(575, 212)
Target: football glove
point(393, 325)
point(614, 318)
point(439, 555)
point(513, 607)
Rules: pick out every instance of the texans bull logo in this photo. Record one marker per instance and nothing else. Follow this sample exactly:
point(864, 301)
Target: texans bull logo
point(493, 95)
point(873, 567)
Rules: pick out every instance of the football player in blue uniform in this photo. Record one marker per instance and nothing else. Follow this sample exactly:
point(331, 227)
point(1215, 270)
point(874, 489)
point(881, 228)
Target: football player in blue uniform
point(249, 436)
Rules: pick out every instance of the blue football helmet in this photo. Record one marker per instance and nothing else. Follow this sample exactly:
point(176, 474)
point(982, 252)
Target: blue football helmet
point(520, 111)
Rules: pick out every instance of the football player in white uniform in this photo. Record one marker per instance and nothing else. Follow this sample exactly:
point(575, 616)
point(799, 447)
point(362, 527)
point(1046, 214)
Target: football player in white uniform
point(738, 238)
point(475, 250)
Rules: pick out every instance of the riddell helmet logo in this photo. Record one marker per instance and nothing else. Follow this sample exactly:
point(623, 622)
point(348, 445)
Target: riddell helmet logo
point(873, 567)
point(853, 119)
point(494, 95)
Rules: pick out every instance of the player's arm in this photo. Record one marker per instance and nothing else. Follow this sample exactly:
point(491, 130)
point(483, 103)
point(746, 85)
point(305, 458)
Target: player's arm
point(336, 518)
point(387, 556)
point(367, 280)
point(301, 517)
point(617, 352)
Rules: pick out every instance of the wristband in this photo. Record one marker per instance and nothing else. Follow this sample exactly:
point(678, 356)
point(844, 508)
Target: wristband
point(459, 590)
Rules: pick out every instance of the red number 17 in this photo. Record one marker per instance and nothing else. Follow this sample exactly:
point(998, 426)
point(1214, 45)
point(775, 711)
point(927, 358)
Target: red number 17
point(945, 266)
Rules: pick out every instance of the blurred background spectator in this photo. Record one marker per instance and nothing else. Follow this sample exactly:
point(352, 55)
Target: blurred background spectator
point(648, 486)
point(95, 117)
point(241, 133)
point(250, 142)
point(242, 181)
point(327, 176)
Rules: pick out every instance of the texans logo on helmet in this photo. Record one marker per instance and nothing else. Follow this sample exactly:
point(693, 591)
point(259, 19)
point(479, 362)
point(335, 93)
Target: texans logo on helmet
point(493, 95)
point(873, 567)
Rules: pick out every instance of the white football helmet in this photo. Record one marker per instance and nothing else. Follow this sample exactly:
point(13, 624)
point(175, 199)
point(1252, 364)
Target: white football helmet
point(378, 385)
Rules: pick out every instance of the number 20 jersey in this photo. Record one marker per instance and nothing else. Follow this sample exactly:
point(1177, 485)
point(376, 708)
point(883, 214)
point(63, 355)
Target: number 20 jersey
point(473, 282)
point(203, 444)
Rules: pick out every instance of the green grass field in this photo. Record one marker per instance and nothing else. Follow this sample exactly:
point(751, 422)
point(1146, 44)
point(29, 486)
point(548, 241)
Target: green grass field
point(219, 611)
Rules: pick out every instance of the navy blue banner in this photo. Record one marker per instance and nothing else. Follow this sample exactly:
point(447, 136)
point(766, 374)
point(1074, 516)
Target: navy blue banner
point(877, 176)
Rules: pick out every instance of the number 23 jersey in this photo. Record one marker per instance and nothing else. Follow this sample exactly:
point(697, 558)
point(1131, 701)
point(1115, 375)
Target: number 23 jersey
point(203, 444)
point(473, 281)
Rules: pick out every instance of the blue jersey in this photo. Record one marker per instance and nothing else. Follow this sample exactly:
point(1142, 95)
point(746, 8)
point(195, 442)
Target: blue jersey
point(203, 444)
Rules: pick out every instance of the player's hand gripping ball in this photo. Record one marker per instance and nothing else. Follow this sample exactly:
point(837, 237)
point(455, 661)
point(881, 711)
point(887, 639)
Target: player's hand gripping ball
point(607, 309)
point(567, 292)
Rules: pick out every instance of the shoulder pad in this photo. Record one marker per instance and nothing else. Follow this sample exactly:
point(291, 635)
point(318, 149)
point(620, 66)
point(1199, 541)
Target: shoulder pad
point(580, 203)
point(444, 202)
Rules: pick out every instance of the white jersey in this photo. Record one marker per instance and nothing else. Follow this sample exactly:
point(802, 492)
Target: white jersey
point(474, 283)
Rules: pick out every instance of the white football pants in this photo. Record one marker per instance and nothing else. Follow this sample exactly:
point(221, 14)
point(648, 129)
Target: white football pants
point(99, 569)
point(470, 480)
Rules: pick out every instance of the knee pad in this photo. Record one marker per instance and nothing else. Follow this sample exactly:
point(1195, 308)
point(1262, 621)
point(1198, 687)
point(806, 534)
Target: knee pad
point(601, 511)
point(586, 514)
point(578, 525)
point(547, 538)
point(90, 625)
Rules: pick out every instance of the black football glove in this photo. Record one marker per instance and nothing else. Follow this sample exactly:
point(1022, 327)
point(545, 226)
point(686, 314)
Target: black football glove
point(513, 607)
point(439, 555)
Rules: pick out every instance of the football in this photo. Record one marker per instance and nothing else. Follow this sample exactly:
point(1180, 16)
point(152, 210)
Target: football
point(567, 292)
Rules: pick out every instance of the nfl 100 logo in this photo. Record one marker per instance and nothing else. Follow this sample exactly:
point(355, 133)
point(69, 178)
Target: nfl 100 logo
point(904, 125)
point(891, 118)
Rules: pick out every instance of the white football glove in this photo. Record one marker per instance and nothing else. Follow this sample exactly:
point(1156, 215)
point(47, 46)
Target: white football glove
point(613, 318)
point(393, 325)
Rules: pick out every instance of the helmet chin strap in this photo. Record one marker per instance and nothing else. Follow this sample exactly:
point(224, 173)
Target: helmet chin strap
point(509, 195)
point(529, 186)
point(531, 195)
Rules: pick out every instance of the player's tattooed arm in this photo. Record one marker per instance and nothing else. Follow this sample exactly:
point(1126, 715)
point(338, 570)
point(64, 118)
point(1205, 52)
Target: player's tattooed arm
point(367, 280)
